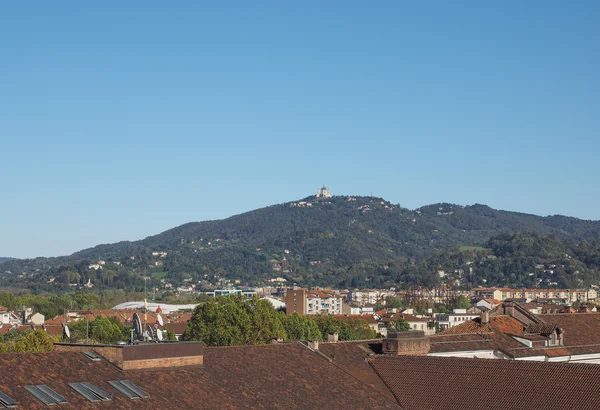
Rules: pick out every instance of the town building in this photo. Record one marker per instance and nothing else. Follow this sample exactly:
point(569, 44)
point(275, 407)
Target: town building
point(369, 297)
point(8, 318)
point(445, 321)
point(313, 302)
point(416, 323)
point(557, 296)
point(511, 331)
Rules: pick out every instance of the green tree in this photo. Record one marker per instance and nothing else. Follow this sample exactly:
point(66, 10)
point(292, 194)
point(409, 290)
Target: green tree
point(399, 325)
point(169, 335)
point(227, 321)
point(107, 330)
point(299, 327)
point(462, 302)
point(34, 341)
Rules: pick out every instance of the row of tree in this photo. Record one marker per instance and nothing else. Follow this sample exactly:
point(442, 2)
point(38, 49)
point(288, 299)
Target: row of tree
point(227, 321)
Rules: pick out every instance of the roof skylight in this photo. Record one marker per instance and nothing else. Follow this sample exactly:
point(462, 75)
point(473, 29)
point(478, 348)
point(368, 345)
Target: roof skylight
point(46, 395)
point(129, 389)
point(90, 392)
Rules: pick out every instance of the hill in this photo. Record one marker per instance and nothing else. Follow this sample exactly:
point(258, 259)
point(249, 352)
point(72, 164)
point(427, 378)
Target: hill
point(4, 259)
point(342, 241)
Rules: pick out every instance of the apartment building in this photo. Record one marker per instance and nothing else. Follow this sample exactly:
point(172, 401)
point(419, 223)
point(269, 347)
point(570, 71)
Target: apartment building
point(558, 295)
point(313, 302)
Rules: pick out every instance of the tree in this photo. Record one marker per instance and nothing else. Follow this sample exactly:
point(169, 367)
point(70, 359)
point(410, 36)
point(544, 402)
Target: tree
point(301, 328)
point(233, 320)
point(399, 325)
point(169, 335)
point(462, 302)
point(34, 341)
point(107, 330)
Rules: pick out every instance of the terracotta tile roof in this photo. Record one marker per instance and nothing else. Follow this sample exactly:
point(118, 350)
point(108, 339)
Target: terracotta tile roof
point(556, 352)
point(258, 377)
point(471, 384)
point(53, 330)
point(352, 358)
point(544, 329)
point(579, 329)
point(321, 294)
point(461, 342)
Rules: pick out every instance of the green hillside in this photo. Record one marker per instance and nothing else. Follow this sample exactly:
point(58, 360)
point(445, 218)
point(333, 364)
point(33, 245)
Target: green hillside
point(341, 241)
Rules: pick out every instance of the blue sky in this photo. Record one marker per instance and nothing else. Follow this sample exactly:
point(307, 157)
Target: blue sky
point(119, 120)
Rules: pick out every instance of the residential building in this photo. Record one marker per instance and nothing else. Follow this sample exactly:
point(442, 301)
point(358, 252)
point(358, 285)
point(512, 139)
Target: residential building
point(8, 318)
point(313, 302)
point(560, 296)
point(445, 321)
point(369, 297)
point(416, 323)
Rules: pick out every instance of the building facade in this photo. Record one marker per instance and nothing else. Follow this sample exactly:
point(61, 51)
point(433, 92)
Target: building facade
point(313, 302)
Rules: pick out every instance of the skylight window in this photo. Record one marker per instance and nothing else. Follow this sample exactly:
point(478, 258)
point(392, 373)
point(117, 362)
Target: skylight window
point(129, 389)
point(90, 392)
point(92, 356)
point(7, 402)
point(46, 395)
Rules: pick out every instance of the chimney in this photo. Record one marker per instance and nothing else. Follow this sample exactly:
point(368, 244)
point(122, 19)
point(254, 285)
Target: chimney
point(332, 337)
point(485, 316)
point(151, 356)
point(313, 344)
point(409, 343)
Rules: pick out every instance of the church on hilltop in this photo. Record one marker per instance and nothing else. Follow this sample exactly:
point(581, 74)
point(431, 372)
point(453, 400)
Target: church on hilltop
point(323, 192)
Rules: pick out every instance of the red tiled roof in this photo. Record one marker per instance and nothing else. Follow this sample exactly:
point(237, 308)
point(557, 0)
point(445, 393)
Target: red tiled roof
point(432, 383)
point(351, 357)
point(260, 377)
point(579, 329)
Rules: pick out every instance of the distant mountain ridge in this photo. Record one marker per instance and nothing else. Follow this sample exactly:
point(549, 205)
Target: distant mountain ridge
point(4, 259)
point(311, 241)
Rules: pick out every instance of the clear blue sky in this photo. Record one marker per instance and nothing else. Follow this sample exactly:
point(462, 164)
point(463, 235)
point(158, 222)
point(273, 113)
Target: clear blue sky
point(119, 120)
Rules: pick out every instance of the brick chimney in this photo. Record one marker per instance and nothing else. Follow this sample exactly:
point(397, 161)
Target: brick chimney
point(409, 343)
point(313, 344)
point(144, 356)
point(332, 337)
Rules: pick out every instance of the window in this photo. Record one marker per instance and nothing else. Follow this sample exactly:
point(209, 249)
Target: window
point(90, 392)
point(129, 389)
point(92, 356)
point(7, 402)
point(45, 394)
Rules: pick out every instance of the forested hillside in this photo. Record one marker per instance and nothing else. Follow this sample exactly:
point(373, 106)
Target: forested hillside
point(341, 241)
